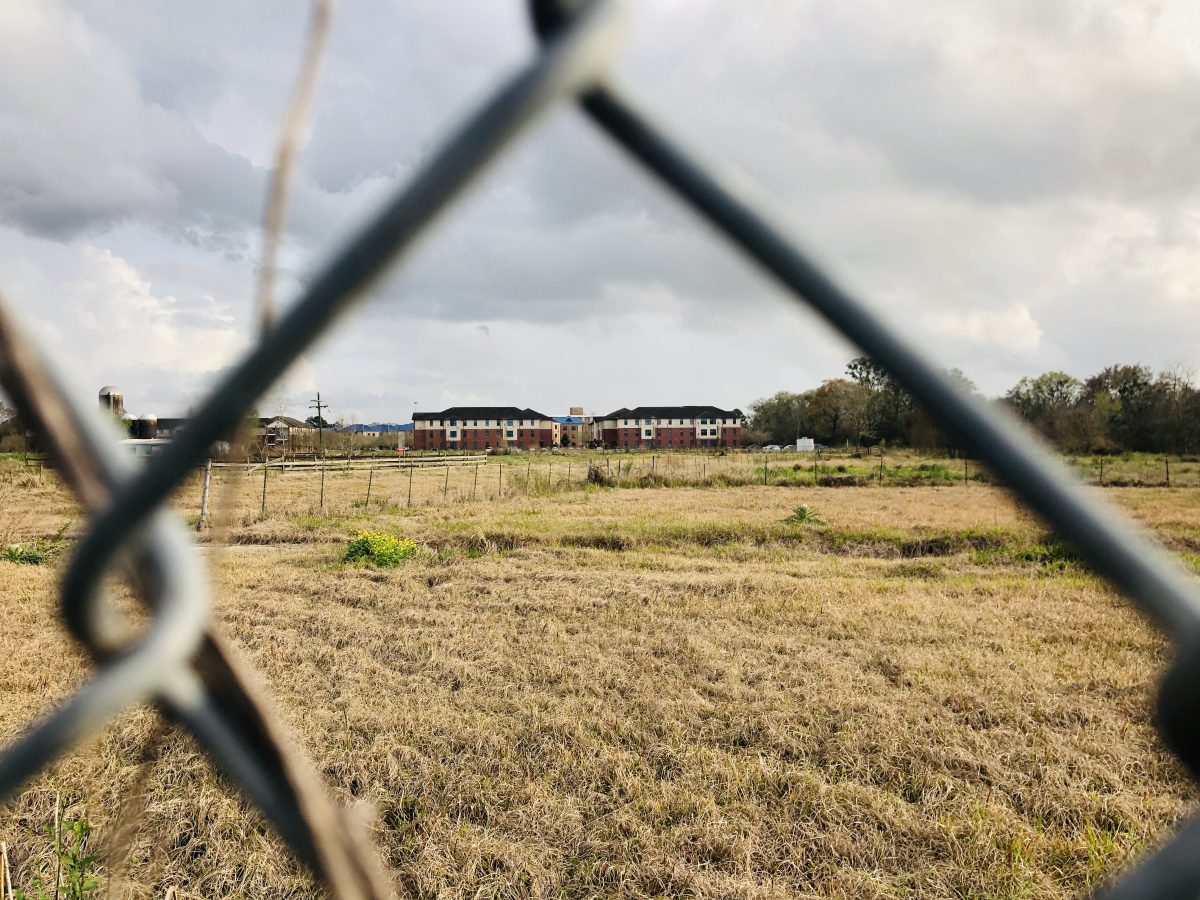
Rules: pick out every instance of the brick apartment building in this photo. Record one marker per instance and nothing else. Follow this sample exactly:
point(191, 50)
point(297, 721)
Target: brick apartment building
point(574, 430)
point(669, 427)
point(481, 427)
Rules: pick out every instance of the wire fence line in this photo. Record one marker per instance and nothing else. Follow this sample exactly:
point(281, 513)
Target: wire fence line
point(292, 488)
point(186, 669)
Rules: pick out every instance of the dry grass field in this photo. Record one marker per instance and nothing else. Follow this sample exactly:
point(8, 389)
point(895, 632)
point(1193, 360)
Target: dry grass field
point(645, 692)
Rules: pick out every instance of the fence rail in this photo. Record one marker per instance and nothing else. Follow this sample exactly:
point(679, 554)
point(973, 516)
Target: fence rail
point(351, 464)
point(183, 666)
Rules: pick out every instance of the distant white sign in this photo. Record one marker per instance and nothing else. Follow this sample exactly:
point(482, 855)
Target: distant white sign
point(805, 445)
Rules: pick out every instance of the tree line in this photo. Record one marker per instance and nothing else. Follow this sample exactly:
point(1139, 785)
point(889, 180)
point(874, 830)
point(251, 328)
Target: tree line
point(1122, 408)
point(12, 433)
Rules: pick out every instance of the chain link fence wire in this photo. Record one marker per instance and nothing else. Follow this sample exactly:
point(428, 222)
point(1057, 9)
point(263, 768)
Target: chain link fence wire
point(181, 665)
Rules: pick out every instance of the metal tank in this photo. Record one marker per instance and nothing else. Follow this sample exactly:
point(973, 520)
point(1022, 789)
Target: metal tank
point(113, 400)
point(146, 427)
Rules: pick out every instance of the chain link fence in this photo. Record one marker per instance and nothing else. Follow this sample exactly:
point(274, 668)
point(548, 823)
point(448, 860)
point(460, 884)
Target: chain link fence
point(186, 670)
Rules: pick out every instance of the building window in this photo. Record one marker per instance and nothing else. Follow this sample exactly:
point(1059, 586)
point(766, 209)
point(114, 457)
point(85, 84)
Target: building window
point(510, 435)
point(648, 433)
point(453, 435)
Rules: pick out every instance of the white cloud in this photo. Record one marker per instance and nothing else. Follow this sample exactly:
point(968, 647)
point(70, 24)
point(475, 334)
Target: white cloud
point(1012, 330)
point(1016, 181)
point(109, 324)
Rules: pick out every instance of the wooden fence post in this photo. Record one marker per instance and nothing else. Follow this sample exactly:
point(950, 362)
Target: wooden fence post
point(322, 481)
point(262, 509)
point(475, 483)
point(446, 485)
point(410, 473)
point(204, 496)
point(1167, 463)
point(370, 478)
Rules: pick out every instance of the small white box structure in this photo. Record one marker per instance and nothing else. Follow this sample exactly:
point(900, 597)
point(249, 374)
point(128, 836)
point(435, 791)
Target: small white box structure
point(805, 445)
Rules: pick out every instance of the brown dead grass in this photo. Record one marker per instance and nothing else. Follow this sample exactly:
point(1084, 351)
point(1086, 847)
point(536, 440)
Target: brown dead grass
point(716, 705)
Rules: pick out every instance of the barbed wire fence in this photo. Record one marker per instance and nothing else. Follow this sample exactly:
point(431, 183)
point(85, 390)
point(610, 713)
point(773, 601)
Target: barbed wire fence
point(186, 669)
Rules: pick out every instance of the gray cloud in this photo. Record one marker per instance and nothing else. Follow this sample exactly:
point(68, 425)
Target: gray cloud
point(1015, 181)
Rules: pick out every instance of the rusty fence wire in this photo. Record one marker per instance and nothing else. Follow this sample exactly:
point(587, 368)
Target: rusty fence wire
point(185, 669)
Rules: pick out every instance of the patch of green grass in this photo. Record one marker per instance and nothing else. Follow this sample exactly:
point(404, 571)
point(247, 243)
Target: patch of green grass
point(1048, 554)
point(915, 569)
point(312, 522)
point(382, 550)
point(826, 473)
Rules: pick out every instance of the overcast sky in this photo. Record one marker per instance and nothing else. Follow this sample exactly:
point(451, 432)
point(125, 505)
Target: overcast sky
point(1015, 183)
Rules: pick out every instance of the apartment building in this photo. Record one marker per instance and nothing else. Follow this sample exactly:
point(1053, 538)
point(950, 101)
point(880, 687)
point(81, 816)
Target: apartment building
point(574, 430)
point(482, 427)
point(668, 427)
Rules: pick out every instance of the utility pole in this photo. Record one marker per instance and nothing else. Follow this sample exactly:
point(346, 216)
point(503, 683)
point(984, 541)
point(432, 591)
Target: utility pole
point(318, 406)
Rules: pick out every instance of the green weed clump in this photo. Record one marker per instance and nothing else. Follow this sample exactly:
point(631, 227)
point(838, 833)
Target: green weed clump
point(805, 515)
point(37, 552)
point(78, 878)
point(29, 554)
point(598, 476)
point(382, 550)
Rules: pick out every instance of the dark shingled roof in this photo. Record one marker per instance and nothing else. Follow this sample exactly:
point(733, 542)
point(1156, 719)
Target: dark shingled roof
point(675, 412)
point(481, 412)
point(287, 420)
